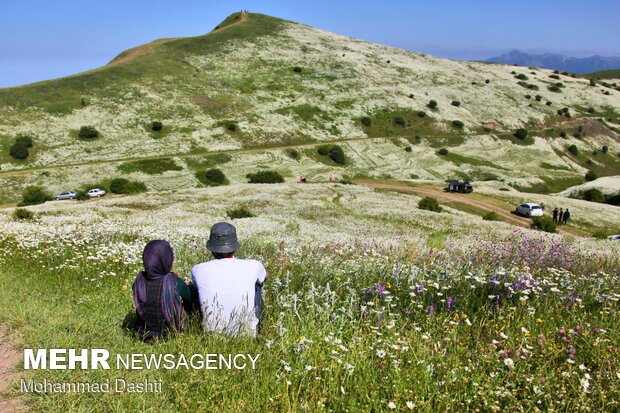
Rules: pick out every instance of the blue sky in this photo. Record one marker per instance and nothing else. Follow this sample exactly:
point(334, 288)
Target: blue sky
point(43, 39)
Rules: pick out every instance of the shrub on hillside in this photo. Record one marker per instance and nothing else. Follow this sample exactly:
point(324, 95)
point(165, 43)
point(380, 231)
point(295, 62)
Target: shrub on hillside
point(442, 151)
point(293, 153)
point(22, 214)
point(323, 149)
point(399, 121)
point(491, 216)
point(408, 149)
point(432, 104)
point(19, 151)
point(544, 223)
point(265, 177)
point(24, 140)
point(430, 204)
point(591, 176)
point(239, 213)
point(458, 124)
point(34, 195)
point(593, 195)
point(521, 76)
point(88, 132)
point(554, 88)
point(231, 126)
point(212, 177)
point(157, 126)
point(554, 76)
point(297, 69)
point(562, 134)
point(336, 154)
point(573, 149)
point(605, 149)
point(456, 103)
point(521, 133)
point(125, 186)
point(421, 114)
point(82, 195)
point(366, 121)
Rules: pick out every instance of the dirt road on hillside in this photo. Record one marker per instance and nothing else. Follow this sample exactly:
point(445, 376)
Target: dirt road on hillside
point(442, 196)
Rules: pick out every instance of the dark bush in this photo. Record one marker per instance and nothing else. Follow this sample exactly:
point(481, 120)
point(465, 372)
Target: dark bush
point(231, 126)
point(265, 177)
point(528, 96)
point(366, 121)
point(323, 149)
point(336, 154)
point(563, 134)
point(125, 186)
point(544, 223)
point(521, 76)
point(554, 88)
point(456, 103)
point(573, 149)
point(591, 176)
point(297, 69)
point(34, 195)
point(538, 98)
point(88, 132)
point(432, 104)
point(157, 126)
point(430, 204)
point(212, 177)
point(24, 140)
point(22, 214)
point(554, 76)
point(408, 149)
point(82, 196)
point(593, 195)
point(487, 81)
point(521, 133)
point(293, 153)
point(590, 110)
point(605, 149)
point(18, 151)
point(421, 114)
point(548, 103)
point(399, 121)
point(239, 213)
point(592, 82)
point(411, 96)
point(458, 124)
point(442, 151)
point(491, 216)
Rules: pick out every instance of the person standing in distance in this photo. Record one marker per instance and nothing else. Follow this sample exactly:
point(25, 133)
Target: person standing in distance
point(229, 289)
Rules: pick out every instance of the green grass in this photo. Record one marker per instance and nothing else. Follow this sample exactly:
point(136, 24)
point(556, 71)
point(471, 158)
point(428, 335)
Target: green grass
point(551, 184)
point(383, 123)
point(150, 166)
point(462, 159)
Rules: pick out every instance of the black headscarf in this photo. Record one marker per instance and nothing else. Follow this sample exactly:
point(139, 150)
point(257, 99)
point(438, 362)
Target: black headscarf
point(157, 259)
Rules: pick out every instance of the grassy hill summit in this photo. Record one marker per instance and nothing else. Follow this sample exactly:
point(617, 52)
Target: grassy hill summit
point(256, 87)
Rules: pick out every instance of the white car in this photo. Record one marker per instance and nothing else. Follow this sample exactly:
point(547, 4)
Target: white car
point(65, 195)
point(530, 209)
point(614, 237)
point(95, 192)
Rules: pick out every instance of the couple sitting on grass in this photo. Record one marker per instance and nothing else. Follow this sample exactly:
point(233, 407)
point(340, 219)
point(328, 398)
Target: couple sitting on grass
point(226, 290)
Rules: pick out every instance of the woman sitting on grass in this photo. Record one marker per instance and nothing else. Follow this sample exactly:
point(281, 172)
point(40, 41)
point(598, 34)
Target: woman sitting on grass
point(159, 294)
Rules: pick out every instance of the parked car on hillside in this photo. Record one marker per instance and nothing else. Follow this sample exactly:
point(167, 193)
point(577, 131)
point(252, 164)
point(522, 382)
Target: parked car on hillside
point(459, 186)
point(530, 209)
point(65, 195)
point(614, 237)
point(95, 192)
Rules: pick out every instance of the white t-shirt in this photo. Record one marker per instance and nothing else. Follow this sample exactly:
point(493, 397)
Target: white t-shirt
point(226, 288)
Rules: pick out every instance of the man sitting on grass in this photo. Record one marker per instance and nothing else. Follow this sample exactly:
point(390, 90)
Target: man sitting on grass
point(229, 289)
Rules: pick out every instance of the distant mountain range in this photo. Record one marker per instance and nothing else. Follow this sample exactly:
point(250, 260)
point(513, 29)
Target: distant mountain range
point(577, 65)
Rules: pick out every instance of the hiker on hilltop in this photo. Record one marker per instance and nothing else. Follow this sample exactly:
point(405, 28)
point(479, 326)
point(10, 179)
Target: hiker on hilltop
point(159, 295)
point(565, 216)
point(555, 215)
point(560, 216)
point(229, 289)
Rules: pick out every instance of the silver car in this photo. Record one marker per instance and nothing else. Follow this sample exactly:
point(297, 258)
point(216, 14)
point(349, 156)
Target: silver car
point(65, 195)
point(95, 192)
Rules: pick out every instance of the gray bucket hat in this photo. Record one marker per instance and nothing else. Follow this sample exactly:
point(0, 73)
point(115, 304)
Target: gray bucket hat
point(223, 238)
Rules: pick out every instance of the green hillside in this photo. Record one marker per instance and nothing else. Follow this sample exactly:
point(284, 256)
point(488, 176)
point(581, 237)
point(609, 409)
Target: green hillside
point(604, 74)
point(257, 87)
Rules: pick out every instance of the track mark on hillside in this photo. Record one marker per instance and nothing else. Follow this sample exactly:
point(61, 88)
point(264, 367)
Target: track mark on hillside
point(442, 196)
point(9, 358)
